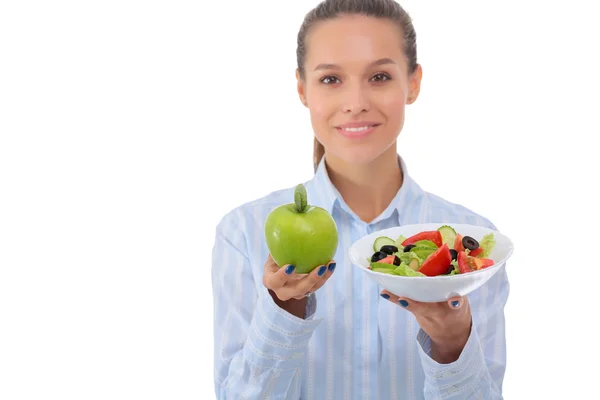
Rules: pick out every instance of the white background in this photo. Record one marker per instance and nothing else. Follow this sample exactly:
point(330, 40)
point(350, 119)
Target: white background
point(129, 128)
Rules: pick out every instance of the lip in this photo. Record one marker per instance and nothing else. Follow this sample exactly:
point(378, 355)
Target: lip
point(358, 134)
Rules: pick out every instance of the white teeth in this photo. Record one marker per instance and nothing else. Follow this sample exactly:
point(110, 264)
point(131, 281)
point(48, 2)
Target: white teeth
point(362, 128)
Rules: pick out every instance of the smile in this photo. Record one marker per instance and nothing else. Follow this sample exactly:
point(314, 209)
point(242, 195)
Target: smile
point(356, 131)
point(359, 129)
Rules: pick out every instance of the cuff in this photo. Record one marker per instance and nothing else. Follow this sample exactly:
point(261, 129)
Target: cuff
point(455, 376)
point(311, 307)
point(277, 339)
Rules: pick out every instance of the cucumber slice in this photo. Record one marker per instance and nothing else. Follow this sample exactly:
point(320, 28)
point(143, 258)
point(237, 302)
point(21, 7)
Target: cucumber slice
point(414, 264)
point(382, 241)
point(448, 235)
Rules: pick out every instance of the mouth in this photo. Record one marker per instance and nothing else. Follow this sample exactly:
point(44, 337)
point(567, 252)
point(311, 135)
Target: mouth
point(357, 130)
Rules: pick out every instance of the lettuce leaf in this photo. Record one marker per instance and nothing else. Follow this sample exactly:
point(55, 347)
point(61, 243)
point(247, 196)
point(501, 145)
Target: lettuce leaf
point(426, 243)
point(405, 270)
point(399, 241)
point(408, 257)
point(487, 243)
point(382, 266)
point(456, 269)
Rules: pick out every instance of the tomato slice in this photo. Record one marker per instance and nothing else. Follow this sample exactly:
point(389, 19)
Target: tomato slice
point(462, 261)
point(458, 246)
point(388, 260)
point(438, 262)
point(483, 262)
point(468, 264)
point(476, 252)
point(434, 236)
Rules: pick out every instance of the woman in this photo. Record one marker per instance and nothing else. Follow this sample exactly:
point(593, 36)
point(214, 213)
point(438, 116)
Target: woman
point(332, 334)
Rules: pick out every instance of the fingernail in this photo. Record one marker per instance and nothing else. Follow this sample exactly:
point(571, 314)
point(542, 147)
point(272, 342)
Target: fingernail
point(290, 269)
point(322, 270)
point(385, 296)
point(403, 303)
point(332, 267)
point(455, 303)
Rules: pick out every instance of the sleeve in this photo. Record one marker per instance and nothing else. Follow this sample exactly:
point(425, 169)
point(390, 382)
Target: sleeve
point(258, 347)
point(479, 371)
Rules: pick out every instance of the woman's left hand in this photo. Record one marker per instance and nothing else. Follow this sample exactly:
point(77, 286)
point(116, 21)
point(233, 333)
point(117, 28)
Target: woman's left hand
point(447, 323)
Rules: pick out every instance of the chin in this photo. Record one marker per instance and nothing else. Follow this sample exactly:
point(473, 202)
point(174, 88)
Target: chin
point(358, 155)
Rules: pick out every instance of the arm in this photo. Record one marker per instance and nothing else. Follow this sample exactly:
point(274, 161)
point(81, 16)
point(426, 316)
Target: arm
point(258, 347)
point(479, 370)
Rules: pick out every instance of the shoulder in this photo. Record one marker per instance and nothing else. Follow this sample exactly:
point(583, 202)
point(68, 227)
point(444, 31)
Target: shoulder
point(443, 209)
point(242, 227)
point(250, 216)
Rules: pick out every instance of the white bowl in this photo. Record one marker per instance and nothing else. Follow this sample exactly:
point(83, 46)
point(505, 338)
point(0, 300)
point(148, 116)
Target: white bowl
point(434, 288)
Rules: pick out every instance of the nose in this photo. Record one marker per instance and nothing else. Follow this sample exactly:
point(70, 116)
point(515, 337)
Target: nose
point(356, 99)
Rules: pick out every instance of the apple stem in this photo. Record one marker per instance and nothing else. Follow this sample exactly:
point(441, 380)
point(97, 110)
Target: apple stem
point(300, 198)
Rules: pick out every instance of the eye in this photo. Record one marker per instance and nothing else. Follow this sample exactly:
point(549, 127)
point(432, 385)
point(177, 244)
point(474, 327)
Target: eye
point(380, 77)
point(330, 79)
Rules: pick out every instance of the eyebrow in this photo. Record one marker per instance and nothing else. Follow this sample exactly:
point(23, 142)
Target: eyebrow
point(382, 61)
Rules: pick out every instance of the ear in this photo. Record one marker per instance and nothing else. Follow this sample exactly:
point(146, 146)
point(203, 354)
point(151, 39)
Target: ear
point(414, 84)
point(301, 88)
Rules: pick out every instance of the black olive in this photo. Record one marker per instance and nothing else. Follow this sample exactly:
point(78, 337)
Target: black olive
point(449, 270)
point(396, 260)
point(380, 255)
point(454, 254)
point(389, 249)
point(470, 243)
point(408, 248)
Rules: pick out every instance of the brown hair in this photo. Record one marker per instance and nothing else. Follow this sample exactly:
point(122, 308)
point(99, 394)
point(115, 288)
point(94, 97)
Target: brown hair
point(331, 9)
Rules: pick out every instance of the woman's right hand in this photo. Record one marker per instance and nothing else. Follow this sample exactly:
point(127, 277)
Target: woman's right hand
point(286, 284)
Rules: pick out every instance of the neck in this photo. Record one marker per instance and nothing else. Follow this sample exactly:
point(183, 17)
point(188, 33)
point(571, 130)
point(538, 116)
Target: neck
point(368, 189)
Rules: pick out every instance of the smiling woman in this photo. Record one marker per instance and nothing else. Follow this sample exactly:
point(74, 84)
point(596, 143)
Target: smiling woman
point(329, 333)
point(357, 66)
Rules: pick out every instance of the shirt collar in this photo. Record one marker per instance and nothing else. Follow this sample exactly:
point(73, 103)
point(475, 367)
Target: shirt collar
point(324, 194)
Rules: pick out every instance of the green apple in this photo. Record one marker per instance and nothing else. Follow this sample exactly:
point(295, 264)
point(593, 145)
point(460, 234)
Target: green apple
point(300, 234)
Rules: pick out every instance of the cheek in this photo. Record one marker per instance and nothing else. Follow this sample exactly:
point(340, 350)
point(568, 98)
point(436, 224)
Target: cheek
point(394, 110)
point(392, 105)
point(322, 110)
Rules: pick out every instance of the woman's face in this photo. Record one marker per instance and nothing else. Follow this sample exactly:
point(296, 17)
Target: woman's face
point(356, 86)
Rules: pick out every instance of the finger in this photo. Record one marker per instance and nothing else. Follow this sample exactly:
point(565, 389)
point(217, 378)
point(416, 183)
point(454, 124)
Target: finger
point(300, 297)
point(415, 307)
point(300, 288)
point(390, 296)
point(402, 301)
point(274, 277)
point(456, 302)
point(331, 265)
point(296, 277)
point(427, 309)
point(328, 272)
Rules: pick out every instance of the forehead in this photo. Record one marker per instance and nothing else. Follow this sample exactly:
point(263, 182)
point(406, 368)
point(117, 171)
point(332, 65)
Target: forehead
point(353, 40)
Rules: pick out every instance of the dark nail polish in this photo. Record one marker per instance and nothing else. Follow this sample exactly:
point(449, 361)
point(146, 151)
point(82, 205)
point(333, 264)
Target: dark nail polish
point(403, 303)
point(455, 303)
point(322, 270)
point(290, 269)
point(385, 296)
point(332, 266)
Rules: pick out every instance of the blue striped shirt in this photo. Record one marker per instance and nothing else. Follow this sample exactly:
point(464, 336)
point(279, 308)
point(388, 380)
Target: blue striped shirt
point(353, 343)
